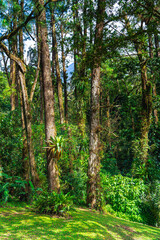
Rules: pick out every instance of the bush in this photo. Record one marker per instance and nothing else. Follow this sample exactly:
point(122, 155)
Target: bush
point(125, 195)
point(76, 184)
point(151, 205)
point(11, 188)
point(52, 203)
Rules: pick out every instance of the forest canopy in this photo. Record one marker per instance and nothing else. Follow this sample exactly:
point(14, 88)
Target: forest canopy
point(90, 135)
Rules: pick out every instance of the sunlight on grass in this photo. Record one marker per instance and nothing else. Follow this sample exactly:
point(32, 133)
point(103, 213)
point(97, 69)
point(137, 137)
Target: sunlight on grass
point(21, 223)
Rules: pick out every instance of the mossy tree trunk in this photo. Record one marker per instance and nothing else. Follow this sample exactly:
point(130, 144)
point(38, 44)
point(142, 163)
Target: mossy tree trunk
point(50, 128)
point(94, 158)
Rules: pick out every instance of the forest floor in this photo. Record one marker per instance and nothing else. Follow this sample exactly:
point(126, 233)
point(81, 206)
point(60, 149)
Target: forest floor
point(19, 222)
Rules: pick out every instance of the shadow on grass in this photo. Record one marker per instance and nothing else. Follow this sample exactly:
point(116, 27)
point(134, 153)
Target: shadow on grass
point(23, 224)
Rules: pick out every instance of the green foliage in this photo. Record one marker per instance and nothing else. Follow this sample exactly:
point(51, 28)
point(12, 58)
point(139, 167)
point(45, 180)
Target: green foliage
point(5, 93)
point(83, 225)
point(11, 143)
point(11, 188)
point(52, 203)
point(56, 145)
point(151, 204)
point(76, 184)
point(125, 195)
point(133, 199)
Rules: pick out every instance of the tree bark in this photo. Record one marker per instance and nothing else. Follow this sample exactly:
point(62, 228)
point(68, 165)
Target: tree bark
point(153, 75)
point(64, 75)
point(157, 45)
point(28, 118)
point(59, 83)
point(94, 159)
point(13, 74)
point(25, 160)
point(50, 128)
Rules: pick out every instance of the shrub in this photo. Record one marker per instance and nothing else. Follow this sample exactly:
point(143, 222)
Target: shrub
point(125, 196)
point(151, 205)
point(52, 203)
point(11, 188)
point(76, 184)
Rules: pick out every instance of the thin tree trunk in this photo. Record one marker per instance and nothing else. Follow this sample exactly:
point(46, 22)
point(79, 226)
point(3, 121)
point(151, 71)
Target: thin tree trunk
point(94, 159)
point(38, 28)
point(50, 129)
point(64, 75)
point(108, 119)
point(28, 118)
point(13, 80)
point(13, 66)
point(26, 167)
point(35, 81)
point(59, 83)
point(5, 67)
point(91, 24)
point(153, 76)
point(157, 45)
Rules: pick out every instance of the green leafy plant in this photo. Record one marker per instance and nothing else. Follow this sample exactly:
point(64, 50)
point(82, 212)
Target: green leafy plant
point(52, 203)
point(151, 204)
point(11, 188)
point(55, 145)
point(125, 195)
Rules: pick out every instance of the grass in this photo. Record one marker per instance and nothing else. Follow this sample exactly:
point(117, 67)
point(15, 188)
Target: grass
point(18, 222)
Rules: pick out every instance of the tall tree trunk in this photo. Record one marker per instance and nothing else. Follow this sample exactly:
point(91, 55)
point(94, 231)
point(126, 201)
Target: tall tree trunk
point(26, 168)
point(50, 128)
point(28, 118)
point(75, 39)
point(108, 119)
point(13, 75)
point(94, 159)
point(38, 29)
point(13, 66)
point(153, 76)
point(64, 75)
point(59, 83)
point(90, 22)
point(157, 45)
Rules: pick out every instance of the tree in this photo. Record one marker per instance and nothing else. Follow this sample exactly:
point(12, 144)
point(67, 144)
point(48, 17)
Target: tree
point(50, 128)
point(58, 75)
point(94, 159)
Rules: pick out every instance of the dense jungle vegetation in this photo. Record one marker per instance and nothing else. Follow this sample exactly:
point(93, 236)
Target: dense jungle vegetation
point(90, 137)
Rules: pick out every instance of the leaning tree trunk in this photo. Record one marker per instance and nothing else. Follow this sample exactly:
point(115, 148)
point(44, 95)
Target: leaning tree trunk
point(28, 118)
point(27, 115)
point(94, 159)
point(13, 73)
point(50, 129)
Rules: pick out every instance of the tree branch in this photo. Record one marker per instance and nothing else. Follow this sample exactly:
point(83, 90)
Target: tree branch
point(29, 18)
point(20, 63)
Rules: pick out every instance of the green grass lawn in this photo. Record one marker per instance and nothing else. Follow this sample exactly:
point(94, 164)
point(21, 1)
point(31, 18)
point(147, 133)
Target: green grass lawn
point(21, 223)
